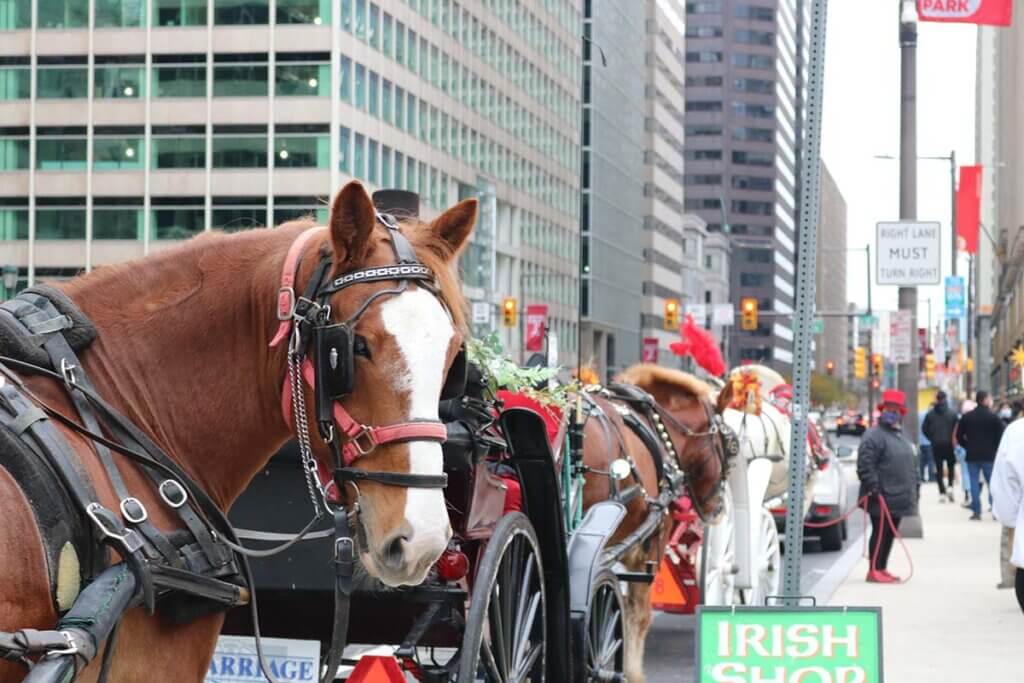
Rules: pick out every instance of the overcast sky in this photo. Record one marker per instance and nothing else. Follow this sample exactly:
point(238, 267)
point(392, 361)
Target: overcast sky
point(861, 119)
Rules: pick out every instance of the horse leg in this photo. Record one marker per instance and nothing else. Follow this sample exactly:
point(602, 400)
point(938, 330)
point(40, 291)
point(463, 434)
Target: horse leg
point(25, 600)
point(637, 615)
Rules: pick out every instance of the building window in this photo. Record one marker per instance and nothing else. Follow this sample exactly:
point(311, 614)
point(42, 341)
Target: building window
point(704, 57)
point(758, 86)
point(359, 156)
point(234, 12)
point(316, 12)
point(56, 222)
point(117, 153)
point(704, 81)
point(755, 37)
point(117, 81)
point(755, 279)
point(757, 255)
point(180, 12)
point(371, 162)
point(747, 182)
point(62, 82)
point(120, 13)
point(178, 218)
point(706, 7)
point(753, 158)
point(754, 12)
point(360, 82)
point(117, 222)
point(703, 31)
point(61, 153)
point(749, 61)
point(702, 154)
point(757, 111)
point(238, 151)
point(373, 94)
point(14, 153)
point(698, 105)
point(751, 207)
point(344, 155)
point(63, 13)
point(303, 80)
point(702, 179)
point(295, 208)
point(302, 151)
point(15, 14)
point(232, 214)
point(754, 134)
point(702, 130)
point(13, 219)
point(15, 82)
point(174, 80)
point(179, 152)
point(240, 80)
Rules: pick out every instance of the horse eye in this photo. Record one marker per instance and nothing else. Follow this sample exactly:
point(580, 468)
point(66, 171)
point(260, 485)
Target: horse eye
point(361, 348)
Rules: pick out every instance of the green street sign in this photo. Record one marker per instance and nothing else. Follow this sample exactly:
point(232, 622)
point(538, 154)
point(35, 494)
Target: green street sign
point(869, 320)
point(789, 644)
point(819, 326)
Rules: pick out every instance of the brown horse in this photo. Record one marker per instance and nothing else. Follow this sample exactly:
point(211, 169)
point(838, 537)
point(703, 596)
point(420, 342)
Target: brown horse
point(688, 400)
point(183, 352)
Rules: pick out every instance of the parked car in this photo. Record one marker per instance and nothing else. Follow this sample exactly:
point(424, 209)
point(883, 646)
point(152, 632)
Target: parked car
point(829, 420)
point(829, 500)
point(852, 423)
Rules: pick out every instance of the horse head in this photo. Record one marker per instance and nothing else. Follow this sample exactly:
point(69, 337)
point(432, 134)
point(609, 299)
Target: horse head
point(688, 413)
point(400, 340)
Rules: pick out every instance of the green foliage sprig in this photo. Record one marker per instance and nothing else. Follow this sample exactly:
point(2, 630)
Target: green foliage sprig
point(501, 372)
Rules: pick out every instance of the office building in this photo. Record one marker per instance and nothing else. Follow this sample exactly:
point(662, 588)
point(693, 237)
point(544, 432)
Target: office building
point(743, 132)
point(127, 125)
point(831, 345)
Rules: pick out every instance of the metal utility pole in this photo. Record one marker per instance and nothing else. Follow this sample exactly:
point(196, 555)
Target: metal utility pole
point(952, 211)
point(908, 372)
point(807, 242)
point(870, 351)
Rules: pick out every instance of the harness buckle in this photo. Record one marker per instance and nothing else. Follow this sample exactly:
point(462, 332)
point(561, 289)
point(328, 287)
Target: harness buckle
point(71, 649)
point(176, 496)
point(68, 371)
point(129, 540)
point(366, 434)
point(133, 510)
point(285, 303)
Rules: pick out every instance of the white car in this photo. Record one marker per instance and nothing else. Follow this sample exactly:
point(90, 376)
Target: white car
point(829, 502)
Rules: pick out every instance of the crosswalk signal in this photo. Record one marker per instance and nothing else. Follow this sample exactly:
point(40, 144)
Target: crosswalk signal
point(830, 367)
point(929, 366)
point(748, 313)
point(860, 366)
point(671, 314)
point(878, 363)
point(508, 311)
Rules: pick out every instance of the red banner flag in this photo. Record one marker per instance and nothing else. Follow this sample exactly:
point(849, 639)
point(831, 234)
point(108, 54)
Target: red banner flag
point(989, 12)
point(968, 209)
point(649, 354)
point(536, 324)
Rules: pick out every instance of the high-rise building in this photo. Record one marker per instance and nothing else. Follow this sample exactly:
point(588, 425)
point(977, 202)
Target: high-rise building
point(126, 125)
point(830, 292)
point(991, 153)
point(744, 114)
point(613, 178)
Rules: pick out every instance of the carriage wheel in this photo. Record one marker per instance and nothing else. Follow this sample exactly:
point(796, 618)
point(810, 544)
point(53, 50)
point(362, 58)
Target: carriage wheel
point(506, 630)
point(718, 557)
point(768, 562)
point(605, 630)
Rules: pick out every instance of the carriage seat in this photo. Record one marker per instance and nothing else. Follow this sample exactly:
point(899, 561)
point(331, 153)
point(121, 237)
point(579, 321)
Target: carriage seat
point(28, 320)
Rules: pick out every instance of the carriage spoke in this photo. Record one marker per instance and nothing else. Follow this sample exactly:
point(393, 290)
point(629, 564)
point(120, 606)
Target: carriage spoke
point(529, 662)
point(497, 628)
point(487, 655)
point(526, 627)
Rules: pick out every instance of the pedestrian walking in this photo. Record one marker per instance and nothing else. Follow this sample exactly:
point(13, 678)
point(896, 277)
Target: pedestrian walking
point(938, 428)
point(885, 467)
point(979, 432)
point(966, 406)
point(1005, 413)
point(1008, 496)
point(925, 463)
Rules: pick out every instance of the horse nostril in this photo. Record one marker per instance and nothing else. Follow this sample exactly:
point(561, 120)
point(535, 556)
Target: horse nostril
point(394, 552)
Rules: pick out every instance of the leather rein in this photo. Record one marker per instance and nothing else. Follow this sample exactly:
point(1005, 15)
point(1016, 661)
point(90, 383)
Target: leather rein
point(348, 438)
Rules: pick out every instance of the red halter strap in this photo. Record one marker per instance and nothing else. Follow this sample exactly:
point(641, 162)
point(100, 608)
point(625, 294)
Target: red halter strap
point(362, 439)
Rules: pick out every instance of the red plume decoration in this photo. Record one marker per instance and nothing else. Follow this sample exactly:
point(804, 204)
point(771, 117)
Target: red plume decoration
point(700, 344)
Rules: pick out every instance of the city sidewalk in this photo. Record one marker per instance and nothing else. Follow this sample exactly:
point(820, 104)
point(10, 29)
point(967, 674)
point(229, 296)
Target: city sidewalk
point(949, 622)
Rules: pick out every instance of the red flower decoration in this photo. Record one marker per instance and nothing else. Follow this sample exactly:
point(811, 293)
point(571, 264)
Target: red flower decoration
point(700, 344)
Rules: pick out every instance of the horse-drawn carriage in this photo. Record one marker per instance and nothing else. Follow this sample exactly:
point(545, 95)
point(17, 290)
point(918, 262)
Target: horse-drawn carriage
point(497, 556)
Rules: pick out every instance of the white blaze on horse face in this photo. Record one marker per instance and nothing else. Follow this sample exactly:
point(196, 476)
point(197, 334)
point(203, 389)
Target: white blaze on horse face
point(423, 331)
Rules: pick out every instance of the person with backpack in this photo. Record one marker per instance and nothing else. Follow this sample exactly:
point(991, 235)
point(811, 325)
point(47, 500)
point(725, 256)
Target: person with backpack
point(938, 428)
point(979, 433)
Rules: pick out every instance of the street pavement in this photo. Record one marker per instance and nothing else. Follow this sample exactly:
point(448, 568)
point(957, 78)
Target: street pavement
point(669, 657)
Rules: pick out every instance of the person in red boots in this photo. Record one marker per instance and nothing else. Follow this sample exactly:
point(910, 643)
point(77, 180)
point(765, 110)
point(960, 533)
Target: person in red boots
point(887, 470)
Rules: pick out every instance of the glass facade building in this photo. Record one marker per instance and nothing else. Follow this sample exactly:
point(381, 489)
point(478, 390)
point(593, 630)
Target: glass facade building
point(126, 125)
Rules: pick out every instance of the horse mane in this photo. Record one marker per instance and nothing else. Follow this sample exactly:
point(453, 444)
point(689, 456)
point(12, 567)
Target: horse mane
point(768, 377)
point(646, 375)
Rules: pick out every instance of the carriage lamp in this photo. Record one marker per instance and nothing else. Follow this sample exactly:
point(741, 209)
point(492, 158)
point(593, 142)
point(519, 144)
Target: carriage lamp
point(453, 565)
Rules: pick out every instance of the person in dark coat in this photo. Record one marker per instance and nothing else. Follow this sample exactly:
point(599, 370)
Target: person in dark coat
point(979, 433)
point(938, 427)
point(887, 470)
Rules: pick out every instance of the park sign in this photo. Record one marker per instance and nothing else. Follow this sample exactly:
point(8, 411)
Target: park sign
point(909, 253)
point(789, 645)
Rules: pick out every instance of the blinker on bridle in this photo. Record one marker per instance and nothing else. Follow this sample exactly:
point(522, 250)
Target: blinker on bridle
point(306, 322)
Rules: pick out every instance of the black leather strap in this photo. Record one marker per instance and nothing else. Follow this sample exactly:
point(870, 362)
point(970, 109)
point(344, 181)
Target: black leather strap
point(344, 564)
point(419, 481)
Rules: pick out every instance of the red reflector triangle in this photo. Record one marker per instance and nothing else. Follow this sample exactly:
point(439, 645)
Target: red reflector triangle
point(376, 669)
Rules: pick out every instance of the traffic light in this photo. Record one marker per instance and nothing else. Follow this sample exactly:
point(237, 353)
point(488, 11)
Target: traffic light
point(748, 313)
point(929, 366)
point(830, 367)
point(878, 364)
point(970, 364)
point(508, 311)
point(875, 384)
point(860, 366)
point(671, 314)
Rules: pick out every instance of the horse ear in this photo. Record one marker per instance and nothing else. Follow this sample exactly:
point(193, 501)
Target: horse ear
point(724, 398)
point(351, 223)
point(454, 226)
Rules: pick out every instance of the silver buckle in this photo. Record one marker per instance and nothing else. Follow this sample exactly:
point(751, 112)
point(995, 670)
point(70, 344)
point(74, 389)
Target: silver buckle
point(68, 371)
point(71, 649)
point(367, 434)
point(172, 484)
point(130, 540)
point(131, 517)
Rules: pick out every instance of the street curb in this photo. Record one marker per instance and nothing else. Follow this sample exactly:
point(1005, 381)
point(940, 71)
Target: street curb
point(831, 580)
